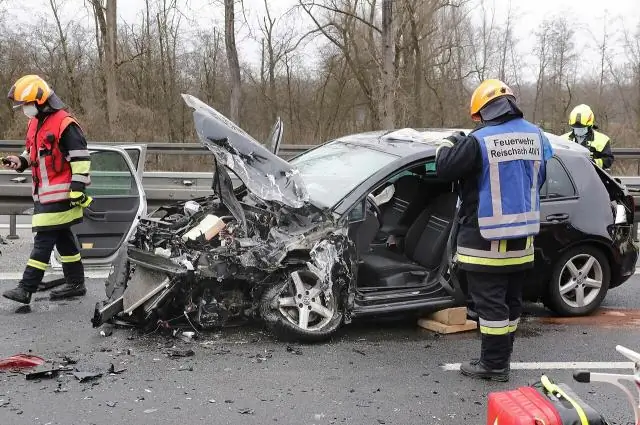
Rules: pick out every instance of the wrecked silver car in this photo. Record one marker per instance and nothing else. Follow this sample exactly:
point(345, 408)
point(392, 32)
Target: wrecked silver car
point(260, 250)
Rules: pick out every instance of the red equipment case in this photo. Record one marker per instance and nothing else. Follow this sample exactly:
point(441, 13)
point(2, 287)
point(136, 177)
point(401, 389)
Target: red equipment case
point(524, 406)
point(542, 404)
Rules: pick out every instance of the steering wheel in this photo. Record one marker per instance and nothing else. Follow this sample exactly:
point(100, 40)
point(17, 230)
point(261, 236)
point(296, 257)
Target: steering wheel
point(376, 209)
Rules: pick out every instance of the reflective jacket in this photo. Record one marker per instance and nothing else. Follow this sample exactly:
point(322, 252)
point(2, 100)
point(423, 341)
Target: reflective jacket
point(509, 202)
point(464, 162)
point(599, 144)
point(59, 163)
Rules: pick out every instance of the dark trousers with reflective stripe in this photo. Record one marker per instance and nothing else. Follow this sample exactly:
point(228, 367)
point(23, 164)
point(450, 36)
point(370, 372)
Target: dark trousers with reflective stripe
point(497, 299)
point(43, 245)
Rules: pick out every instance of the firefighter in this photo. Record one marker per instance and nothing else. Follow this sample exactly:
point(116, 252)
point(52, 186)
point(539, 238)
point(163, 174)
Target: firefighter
point(56, 151)
point(500, 167)
point(582, 122)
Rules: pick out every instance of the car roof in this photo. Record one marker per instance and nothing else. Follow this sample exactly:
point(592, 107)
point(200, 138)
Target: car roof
point(406, 141)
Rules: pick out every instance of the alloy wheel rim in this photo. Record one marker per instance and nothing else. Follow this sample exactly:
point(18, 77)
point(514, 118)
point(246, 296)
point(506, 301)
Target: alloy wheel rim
point(304, 302)
point(580, 280)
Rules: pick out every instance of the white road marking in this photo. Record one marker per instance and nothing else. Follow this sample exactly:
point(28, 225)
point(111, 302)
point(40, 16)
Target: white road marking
point(555, 365)
point(98, 274)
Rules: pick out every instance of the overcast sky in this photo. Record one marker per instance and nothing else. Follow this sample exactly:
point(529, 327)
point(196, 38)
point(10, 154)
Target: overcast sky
point(586, 15)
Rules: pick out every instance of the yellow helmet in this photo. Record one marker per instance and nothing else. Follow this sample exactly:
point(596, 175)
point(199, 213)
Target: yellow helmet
point(581, 116)
point(29, 89)
point(487, 91)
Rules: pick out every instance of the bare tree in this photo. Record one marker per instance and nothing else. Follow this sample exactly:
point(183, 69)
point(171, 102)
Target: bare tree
point(232, 59)
point(73, 88)
point(105, 12)
point(388, 68)
point(413, 64)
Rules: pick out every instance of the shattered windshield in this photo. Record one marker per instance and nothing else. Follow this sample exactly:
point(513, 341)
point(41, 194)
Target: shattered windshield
point(331, 171)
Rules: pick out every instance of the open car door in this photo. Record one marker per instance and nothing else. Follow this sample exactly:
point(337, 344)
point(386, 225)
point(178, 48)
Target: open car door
point(118, 203)
point(451, 278)
point(138, 155)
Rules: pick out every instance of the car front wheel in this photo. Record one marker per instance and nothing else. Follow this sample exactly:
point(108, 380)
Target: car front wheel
point(579, 282)
point(301, 308)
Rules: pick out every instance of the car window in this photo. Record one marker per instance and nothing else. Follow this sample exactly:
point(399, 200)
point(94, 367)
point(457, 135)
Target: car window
point(134, 154)
point(333, 170)
point(423, 170)
point(110, 175)
point(558, 183)
point(357, 213)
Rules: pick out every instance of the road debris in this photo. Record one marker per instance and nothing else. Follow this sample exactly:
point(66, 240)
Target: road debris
point(106, 330)
point(246, 411)
point(60, 388)
point(187, 336)
point(259, 358)
point(112, 403)
point(150, 410)
point(181, 353)
point(112, 370)
point(86, 376)
point(21, 361)
point(217, 351)
point(355, 350)
point(45, 371)
point(69, 360)
point(293, 350)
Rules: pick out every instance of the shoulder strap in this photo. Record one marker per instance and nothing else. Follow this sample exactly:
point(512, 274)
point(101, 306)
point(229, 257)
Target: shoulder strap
point(66, 121)
point(558, 392)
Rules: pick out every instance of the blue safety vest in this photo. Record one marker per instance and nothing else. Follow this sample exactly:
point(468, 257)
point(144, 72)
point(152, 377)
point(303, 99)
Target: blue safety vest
point(513, 169)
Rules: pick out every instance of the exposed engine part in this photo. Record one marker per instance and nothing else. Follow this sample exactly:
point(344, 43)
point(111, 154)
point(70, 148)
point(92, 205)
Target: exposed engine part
point(213, 313)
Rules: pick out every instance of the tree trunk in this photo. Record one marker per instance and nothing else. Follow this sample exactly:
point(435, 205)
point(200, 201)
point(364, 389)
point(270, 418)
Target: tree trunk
point(388, 72)
point(71, 81)
point(416, 115)
point(232, 59)
point(111, 59)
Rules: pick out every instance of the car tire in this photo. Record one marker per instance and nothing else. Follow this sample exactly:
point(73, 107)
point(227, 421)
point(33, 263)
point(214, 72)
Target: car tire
point(579, 282)
point(281, 306)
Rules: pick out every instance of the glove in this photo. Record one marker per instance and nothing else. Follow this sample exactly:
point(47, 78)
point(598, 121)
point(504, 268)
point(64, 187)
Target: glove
point(79, 199)
point(456, 137)
point(594, 152)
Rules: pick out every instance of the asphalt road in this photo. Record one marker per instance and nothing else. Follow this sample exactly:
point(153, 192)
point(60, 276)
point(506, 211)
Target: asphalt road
point(371, 373)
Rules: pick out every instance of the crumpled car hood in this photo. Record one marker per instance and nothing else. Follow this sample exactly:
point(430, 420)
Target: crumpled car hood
point(264, 174)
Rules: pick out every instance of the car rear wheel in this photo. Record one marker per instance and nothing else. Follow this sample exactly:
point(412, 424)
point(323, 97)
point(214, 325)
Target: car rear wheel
point(579, 282)
point(301, 309)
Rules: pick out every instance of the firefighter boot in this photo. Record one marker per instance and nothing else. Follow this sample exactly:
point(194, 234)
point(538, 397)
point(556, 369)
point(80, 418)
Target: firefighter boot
point(68, 290)
point(18, 294)
point(476, 369)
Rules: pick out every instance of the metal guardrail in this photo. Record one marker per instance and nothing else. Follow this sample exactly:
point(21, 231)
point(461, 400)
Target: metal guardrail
point(160, 148)
point(178, 148)
point(162, 187)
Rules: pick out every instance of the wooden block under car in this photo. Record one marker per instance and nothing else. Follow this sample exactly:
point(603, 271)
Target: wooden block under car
point(450, 316)
point(441, 328)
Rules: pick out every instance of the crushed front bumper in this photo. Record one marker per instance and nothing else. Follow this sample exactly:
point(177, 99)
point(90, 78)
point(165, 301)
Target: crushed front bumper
point(153, 280)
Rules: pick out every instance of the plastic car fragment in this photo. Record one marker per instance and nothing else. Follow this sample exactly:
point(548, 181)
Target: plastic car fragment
point(21, 361)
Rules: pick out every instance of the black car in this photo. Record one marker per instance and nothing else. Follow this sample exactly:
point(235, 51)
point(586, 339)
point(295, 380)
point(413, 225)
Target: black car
point(356, 227)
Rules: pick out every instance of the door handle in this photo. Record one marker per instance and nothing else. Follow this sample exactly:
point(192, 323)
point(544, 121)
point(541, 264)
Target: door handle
point(558, 217)
point(94, 215)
